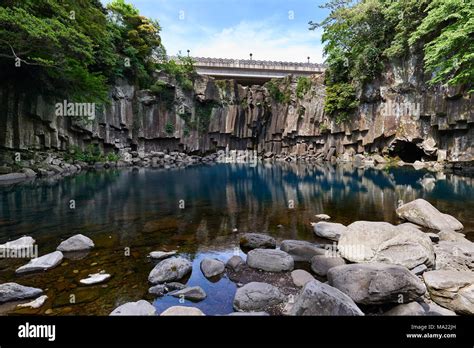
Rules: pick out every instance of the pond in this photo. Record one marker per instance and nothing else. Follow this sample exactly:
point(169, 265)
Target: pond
point(198, 211)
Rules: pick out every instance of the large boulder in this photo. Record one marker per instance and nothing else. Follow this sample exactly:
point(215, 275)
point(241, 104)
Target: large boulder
point(141, 307)
point(376, 283)
point(452, 289)
point(321, 264)
point(301, 250)
point(182, 311)
point(235, 263)
point(423, 213)
point(270, 260)
point(192, 293)
point(318, 298)
point(170, 270)
point(78, 242)
point(212, 267)
point(15, 292)
point(456, 256)
point(42, 263)
point(369, 241)
point(257, 240)
point(257, 296)
point(329, 230)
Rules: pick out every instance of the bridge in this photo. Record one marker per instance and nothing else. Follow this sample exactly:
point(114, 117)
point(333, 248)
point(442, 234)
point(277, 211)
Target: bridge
point(248, 71)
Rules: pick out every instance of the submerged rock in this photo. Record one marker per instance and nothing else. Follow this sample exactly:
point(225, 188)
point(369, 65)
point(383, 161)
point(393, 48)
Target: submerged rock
point(300, 277)
point(235, 263)
point(95, 278)
point(212, 267)
point(370, 241)
point(182, 311)
point(317, 298)
point(42, 263)
point(270, 260)
point(141, 307)
point(78, 242)
point(169, 270)
point(257, 240)
point(257, 296)
point(193, 293)
point(376, 283)
point(329, 230)
point(423, 213)
point(301, 250)
point(14, 292)
point(35, 304)
point(160, 255)
point(452, 289)
point(321, 264)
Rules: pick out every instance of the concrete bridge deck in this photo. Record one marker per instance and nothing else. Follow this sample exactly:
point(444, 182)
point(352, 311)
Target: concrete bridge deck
point(247, 71)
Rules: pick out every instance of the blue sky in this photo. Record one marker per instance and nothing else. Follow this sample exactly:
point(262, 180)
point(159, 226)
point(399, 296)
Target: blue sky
point(270, 29)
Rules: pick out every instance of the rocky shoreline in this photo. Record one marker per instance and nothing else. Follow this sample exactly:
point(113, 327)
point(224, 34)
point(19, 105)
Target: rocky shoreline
point(47, 164)
point(422, 266)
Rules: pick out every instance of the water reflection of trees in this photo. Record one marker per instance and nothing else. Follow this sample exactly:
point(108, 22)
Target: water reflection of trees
point(219, 198)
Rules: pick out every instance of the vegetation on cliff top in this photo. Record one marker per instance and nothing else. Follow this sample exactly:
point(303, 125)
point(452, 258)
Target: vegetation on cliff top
point(361, 36)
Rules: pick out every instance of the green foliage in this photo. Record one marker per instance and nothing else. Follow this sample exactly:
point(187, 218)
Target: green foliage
point(203, 116)
point(275, 87)
point(169, 128)
point(303, 86)
point(184, 71)
point(165, 93)
point(75, 48)
point(91, 154)
point(340, 101)
point(448, 35)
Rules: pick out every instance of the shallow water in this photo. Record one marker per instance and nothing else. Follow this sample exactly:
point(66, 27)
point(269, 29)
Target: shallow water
point(195, 211)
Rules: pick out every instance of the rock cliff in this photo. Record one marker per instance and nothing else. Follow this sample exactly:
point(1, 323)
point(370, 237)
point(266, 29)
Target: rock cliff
point(399, 115)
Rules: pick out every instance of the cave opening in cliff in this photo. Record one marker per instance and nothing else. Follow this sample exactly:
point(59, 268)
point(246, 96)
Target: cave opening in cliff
point(407, 151)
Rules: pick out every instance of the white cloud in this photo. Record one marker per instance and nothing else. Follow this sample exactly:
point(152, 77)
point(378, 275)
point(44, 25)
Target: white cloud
point(264, 39)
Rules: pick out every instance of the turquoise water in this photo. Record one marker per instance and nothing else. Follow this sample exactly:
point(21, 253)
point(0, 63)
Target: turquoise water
point(196, 210)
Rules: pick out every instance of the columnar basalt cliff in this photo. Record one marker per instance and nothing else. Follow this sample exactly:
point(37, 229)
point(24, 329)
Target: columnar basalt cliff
point(398, 115)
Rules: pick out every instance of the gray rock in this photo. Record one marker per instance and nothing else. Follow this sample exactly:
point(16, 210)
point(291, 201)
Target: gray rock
point(451, 236)
point(301, 250)
point(192, 293)
point(376, 283)
point(169, 270)
point(212, 267)
point(318, 298)
point(22, 243)
point(270, 260)
point(30, 173)
point(257, 240)
point(76, 243)
point(158, 290)
point(300, 277)
point(379, 159)
point(456, 256)
point(182, 311)
point(160, 255)
point(434, 309)
point(257, 296)
point(329, 230)
point(411, 308)
point(174, 286)
point(321, 264)
point(141, 307)
point(14, 292)
point(42, 263)
point(37, 303)
point(13, 177)
point(369, 241)
point(248, 314)
point(235, 263)
point(322, 217)
point(419, 269)
point(423, 213)
point(452, 289)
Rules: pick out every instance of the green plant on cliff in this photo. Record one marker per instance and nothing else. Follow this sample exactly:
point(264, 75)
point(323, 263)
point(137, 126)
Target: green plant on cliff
point(303, 86)
point(91, 154)
point(164, 93)
point(182, 69)
point(203, 115)
point(340, 101)
point(169, 128)
point(279, 90)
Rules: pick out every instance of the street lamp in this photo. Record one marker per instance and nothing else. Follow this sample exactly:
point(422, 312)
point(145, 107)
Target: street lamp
point(251, 56)
point(308, 60)
point(188, 52)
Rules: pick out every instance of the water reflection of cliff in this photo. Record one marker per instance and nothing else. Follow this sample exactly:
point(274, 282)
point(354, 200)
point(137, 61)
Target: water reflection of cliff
point(144, 206)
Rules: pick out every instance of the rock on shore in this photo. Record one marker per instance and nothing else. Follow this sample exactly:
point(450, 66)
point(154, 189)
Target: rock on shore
point(170, 270)
point(257, 240)
point(301, 250)
point(270, 260)
point(141, 307)
point(256, 296)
